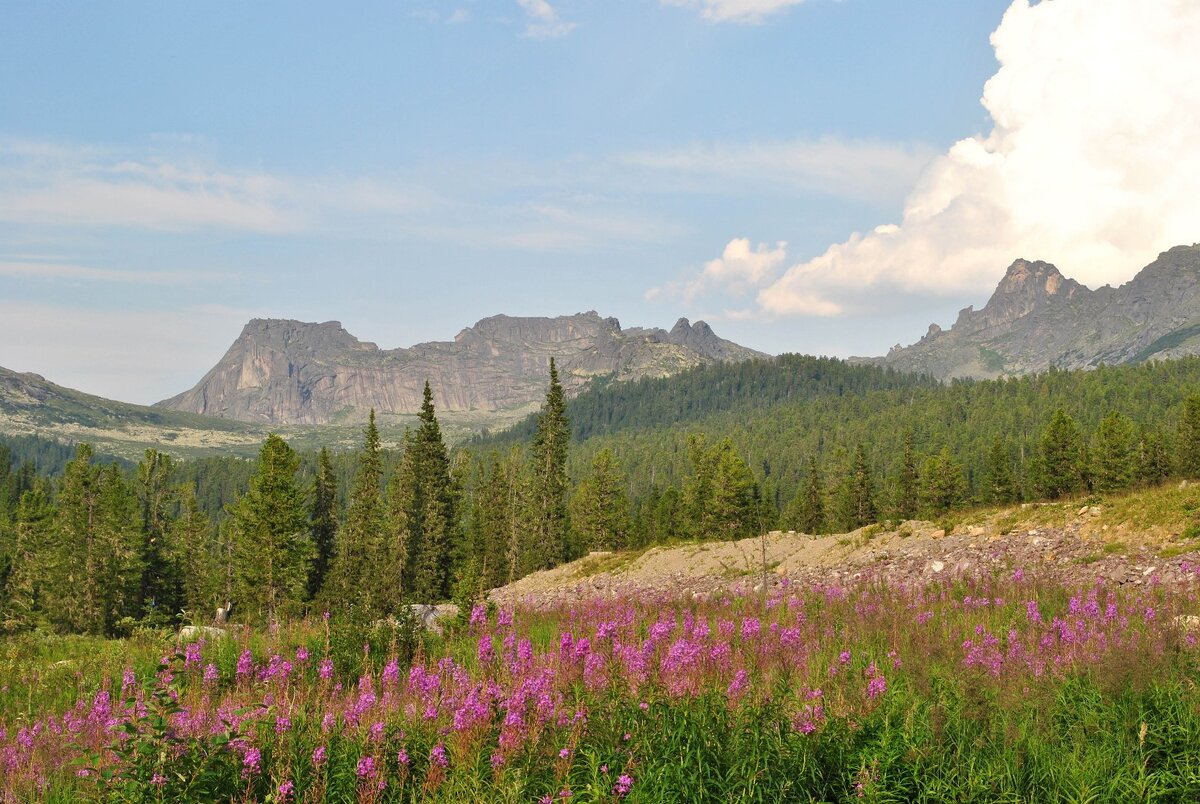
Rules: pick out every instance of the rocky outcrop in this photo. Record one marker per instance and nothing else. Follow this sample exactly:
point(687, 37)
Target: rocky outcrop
point(291, 372)
point(1037, 319)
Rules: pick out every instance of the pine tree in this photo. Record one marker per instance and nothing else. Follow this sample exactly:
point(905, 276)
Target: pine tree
point(1001, 485)
point(358, 572)
point(195, 552)
point(549, 520)
point(272, 548)
point(942, 486)
point(33, 559)
point(161, 582)
point(600, 508)
point(1060, 462)
point(1114, 458)
point(323, 522)
point(908, 482)
point(857, 495)
point(1187, 443)
point(432, 521)
point(806, 513)
point(1153, 457)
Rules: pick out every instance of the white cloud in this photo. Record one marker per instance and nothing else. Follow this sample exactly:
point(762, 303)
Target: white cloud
point(740, 268)
point(744, 11)
point(544, 22)
point(858, 170)
point(1091, 162)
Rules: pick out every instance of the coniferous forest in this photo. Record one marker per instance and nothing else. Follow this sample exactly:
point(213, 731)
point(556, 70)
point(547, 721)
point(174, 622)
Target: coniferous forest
point(98, 546)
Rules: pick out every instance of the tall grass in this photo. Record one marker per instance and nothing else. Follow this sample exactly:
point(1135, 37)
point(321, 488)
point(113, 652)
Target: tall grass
point(1004, 689)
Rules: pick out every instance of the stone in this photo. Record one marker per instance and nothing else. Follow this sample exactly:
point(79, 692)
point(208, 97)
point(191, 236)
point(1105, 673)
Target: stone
point(191, 633)
point(937, 566)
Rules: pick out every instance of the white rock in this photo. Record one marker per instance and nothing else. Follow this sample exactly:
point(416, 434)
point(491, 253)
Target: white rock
point(190, 633)
point(937, 566)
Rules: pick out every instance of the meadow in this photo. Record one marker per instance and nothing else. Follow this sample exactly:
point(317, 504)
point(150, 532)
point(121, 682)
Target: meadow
point(998, 689)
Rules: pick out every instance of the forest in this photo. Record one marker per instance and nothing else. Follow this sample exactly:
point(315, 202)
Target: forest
point(94, 545)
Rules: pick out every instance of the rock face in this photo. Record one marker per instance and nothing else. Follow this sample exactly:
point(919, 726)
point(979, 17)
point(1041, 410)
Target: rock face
point(291, 372)
point(1038, 319)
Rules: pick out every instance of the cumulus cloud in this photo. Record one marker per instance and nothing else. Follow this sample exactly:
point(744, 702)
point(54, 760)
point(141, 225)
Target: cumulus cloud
point(853, 169)
point(744, 11)
point(1091, 162)
point(544, 22)
point(740, 268)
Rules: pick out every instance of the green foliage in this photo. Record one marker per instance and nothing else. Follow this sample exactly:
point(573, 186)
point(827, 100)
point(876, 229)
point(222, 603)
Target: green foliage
point(323, 521)
point(1188, 442)
point(549, 524)
point(1061, 457)
point(942, 484)
point(718, 499)
point(357, 572)
point(429, 511)
point(806, 513)
point(1113, 459)
point(271, 544)
point(600, 507)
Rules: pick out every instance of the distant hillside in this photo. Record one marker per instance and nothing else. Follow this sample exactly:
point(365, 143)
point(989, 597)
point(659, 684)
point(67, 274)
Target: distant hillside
point(1038, 319)
point(290, 372)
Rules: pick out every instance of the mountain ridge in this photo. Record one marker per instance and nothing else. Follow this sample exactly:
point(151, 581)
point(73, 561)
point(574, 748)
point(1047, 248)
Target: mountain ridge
point(282, 371)
point(1038, 319)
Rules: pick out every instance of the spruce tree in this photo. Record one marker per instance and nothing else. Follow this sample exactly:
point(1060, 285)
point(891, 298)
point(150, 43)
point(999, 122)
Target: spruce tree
point(908, 482)
point(1153, 457)
point(195, 552)
point(1001, 485)
point(358, 572)
point(272, 548)
point(1060, 464)
point(1187, 443)
point(34, 560)
point(857, 494)
point(600, 508)
point(549, 521)
point(942, 486)
point(432, 520)
point(323, 521)
point(161, 582)
point(806, 512)
point(1114, 458)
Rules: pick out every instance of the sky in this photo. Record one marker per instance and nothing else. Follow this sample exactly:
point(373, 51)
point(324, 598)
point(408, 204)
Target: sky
point(815, 176)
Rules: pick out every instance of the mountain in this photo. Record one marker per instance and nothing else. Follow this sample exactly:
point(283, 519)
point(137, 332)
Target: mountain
point(1037, 319)
point(31, 405)
point(291, 372)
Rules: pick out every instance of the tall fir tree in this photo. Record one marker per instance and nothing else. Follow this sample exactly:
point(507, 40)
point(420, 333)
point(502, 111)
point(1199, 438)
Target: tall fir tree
point(1001, 484)
point(806, 513)
point(161, 582)
point(942, 484)
point(323, 521)
point(1114, 459)
point(1061, 459)
point(272, 548)
point(1187, 442)
point(1153, 457)
point(34, 560)
point(600, 507)
point(857, 493)
point(549, 523)
point(360, 571)
point(908, 482)
point(433, 518)
point(195, 551)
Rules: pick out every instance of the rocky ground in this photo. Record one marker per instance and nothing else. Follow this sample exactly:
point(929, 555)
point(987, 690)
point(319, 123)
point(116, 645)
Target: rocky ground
point(1070, 544)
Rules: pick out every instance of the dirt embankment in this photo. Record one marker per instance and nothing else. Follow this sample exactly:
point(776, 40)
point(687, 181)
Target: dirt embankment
point(1072, 547)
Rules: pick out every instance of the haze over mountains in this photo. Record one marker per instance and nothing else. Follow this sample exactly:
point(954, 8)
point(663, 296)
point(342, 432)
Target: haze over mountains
point(291, 372)
point(1037, 319)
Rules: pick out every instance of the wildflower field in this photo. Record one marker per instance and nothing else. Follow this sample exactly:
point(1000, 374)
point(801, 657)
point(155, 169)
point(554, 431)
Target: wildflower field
point(1000, 689)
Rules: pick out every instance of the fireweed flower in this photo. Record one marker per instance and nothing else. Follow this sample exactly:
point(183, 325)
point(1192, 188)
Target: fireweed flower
point(245, 663)
point(366, 768)
point(624, 785)
point(211, 674)
point(438, 756)
point(325, 670)
point(318, 756)
point(286, 790)
point(252, 762)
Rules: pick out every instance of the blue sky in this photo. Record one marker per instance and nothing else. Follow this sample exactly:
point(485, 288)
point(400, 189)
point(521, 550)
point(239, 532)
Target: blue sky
point(168, 171)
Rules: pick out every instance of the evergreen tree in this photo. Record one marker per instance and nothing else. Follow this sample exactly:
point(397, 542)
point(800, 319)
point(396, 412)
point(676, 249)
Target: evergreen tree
point(1061, 457)
point(323, 521)
point(806, 513)
point(34, 561)
point(858, 492)
point(360, 568)
point(161, 582)
point(549, 521)
point(432, 521)
point(600, 508)
point(272, 548)
point(1188, 441)
point(942, 486)
point(1153, 457)
point(1001, 485)
point(908, 482)
point(718, 499)
point(1114, 458)
point(196, 553)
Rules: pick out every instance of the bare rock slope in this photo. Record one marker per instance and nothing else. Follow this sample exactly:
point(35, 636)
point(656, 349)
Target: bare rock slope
point(291, 372)
point(1037, 319)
